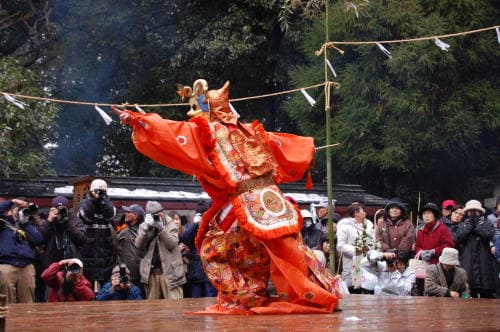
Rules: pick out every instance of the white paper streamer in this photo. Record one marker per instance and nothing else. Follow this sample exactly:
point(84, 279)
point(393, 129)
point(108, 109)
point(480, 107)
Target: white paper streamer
point(384, 50)
point(355, 8)
point(498, 34)
point(331, 67)
point(441, 44)
point(107, 119)
point(13, 101)
point(234, 110)
point(139, 109)
point(310, 99)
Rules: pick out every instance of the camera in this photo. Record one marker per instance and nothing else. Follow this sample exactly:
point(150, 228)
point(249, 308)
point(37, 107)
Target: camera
point(156, 218)
point(31, 210)
point(376, 256)
point(73, 268)
point(62, 212)
point(124, 279)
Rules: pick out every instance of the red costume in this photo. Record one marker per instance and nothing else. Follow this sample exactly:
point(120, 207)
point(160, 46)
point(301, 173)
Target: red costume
point(250, 232)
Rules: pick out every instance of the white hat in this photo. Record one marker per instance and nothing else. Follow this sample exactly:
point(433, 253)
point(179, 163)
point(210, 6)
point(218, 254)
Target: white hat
point(449, 256)
point(98, 184)
point(306, 214)
point(473, 205)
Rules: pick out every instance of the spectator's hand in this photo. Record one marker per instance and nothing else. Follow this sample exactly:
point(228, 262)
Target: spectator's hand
point(454, 294)
point(148, 221)
point(158, 225)
point(197, 218)
point(389, 255)
point(20, 203)
point(53, 214)
point(115, 283)
point(427, 255)
point(182, 247)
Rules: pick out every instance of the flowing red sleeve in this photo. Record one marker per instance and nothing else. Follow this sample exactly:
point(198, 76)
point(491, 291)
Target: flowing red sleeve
point(293, 154)
point(174, 144)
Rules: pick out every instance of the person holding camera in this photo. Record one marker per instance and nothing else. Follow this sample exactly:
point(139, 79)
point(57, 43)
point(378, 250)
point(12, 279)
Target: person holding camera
point(63, 233)
point(18, 236)
point(120, 287)
point(393, 276)
point(99, 251)
point(162, 268)
point(473, 242)
point(67, 282)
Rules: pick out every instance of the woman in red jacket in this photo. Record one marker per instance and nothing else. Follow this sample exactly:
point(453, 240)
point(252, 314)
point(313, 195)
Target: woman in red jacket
point(66, 281)
point(431, 239)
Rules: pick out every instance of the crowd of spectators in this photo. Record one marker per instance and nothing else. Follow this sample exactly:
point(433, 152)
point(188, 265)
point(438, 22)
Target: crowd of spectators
point(99, 252)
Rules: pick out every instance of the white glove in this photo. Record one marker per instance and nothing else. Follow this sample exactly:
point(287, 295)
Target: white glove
point(148, 221)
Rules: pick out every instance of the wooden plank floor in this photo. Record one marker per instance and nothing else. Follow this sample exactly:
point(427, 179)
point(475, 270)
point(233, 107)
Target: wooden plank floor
point(359, 313)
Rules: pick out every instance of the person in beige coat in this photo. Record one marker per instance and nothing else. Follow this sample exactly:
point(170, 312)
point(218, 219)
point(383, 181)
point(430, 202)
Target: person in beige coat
point(446, 279)
point(161, 269)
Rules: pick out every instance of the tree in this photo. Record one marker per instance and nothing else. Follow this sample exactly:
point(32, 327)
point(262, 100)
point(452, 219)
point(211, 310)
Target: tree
point(423, 120)
point(109, 51)
point(25, 129)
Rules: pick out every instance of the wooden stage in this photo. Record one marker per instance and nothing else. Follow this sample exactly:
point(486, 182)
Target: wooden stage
point(359, 313)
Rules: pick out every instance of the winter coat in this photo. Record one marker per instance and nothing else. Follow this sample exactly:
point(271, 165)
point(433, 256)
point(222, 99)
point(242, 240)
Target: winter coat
point(395, 235)
point(53, 239)
point(475, 253)
point(435, 237)
point(347, 233)
point(107, 293)
point(435, 282)
point(80, 290)
point(14, 248)
point(99, 251)
point(494, 219)
point(167, 241)
point(195, 272)
point(128, 253)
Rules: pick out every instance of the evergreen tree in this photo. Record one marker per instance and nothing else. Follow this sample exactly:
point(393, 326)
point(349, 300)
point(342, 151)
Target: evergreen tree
point(423, 120)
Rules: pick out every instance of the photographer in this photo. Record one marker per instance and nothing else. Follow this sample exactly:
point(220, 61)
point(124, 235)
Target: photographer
point(393, 276)
point(120, 287)
point(99, 251)
point(63, 233)
point(18, 237)
point(67, 283)
point(162, 268)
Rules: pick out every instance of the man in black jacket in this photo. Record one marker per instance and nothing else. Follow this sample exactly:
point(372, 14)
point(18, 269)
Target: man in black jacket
point(99, 252)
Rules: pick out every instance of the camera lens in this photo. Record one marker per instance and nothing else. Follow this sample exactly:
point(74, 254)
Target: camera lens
point(74, 268)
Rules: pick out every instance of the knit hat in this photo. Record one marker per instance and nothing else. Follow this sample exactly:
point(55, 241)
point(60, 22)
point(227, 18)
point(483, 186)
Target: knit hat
point(116, 272)
point(98, 184)
point(397, 202)
point(473, 205)
point(60, 200)
point(449, 256)
point(448, 202)
point(430, 207)
point(153, 207)
point(134, 208)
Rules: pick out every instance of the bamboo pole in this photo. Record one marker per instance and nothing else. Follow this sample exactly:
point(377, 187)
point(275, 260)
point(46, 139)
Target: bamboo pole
point(329, 171)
